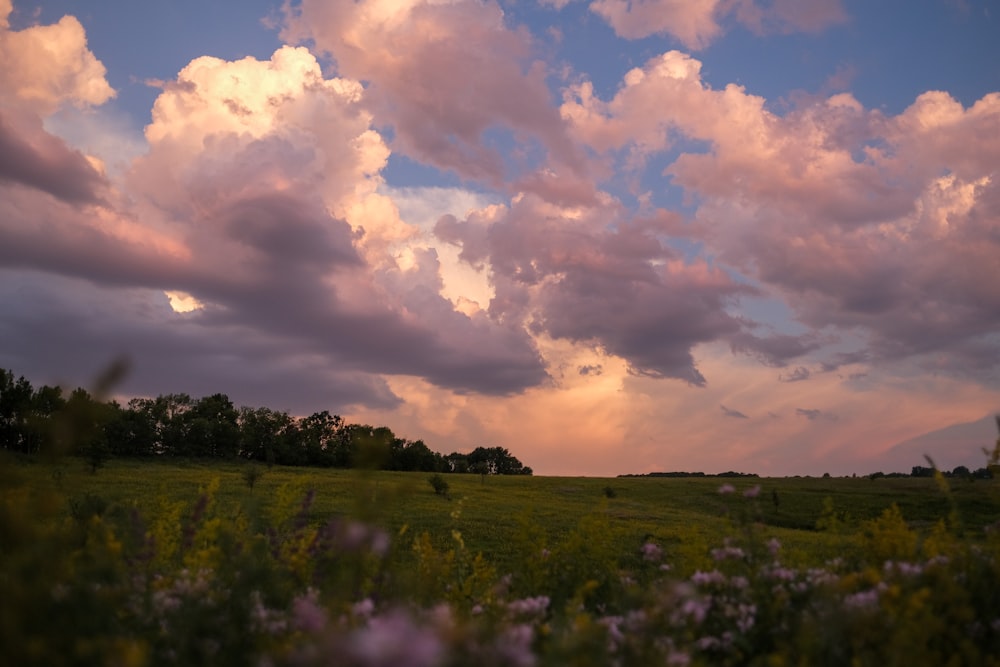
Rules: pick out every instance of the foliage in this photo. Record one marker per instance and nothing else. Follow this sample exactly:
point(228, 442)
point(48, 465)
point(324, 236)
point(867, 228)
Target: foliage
point(212, 427)
point(251, 474)
point(439, 485)
point(222, 578)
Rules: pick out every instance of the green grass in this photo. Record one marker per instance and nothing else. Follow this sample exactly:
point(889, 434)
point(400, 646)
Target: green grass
point(686, 515)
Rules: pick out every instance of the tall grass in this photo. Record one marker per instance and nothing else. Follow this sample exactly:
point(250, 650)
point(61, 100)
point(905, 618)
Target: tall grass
point(149, 564)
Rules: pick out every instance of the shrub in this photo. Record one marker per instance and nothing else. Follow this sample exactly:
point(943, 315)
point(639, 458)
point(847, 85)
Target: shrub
point(439, 485)
point(251, 475)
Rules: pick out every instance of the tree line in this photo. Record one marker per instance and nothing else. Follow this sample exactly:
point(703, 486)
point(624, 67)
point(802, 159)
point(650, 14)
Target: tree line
point(38, 421)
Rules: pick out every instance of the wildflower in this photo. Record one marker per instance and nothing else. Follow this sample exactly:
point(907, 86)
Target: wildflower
point(263, 619)
point(696, 609)
point(535, 606)
point(363, 609)
point(746, 617)
point(700, 578)
point(615, 636)
point(708, 643)
point(309, 616)
point(726, 489)
point(651, 552)
point(394, 639)
point(781, 573)
point(863, 599)
point(678, 659)
point(515, 645)
point(773, 546)
point(752, 492)
point(903, 568)
point(727, 552)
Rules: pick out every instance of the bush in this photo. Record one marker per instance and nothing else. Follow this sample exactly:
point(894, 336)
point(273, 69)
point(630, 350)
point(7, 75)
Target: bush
point(439, 485)
point(251, 475)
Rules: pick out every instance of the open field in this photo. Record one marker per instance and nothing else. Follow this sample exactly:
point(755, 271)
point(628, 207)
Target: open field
point(181, 563)
point(686, 515)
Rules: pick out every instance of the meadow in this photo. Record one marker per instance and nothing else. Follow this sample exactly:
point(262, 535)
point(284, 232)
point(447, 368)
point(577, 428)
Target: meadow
point(155, 562)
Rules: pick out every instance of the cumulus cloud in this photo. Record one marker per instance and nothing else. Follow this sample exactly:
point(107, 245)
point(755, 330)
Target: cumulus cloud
point(589, 275)
point(258, 197)
point(444, 75)
point(697, 23)
point(46, 66)
point(877, 226)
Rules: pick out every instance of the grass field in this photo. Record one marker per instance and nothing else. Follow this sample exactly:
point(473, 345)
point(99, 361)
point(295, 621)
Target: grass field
point(687, 515)
point(182, 563)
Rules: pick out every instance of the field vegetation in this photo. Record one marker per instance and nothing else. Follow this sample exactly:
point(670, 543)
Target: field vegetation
point(188, 562)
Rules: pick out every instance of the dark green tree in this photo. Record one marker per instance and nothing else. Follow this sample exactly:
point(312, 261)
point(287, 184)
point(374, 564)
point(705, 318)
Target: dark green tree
point(323, 438)
point(15, 413)
point(497, 461)
point(268, 435)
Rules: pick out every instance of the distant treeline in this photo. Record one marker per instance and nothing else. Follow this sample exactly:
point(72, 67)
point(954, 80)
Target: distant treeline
point(730, 473)
point(37, 421)
point(925, 471)
point(961, 472)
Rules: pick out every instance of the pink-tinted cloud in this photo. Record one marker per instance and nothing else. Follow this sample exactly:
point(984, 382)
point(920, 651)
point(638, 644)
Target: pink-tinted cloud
point(589, 276)
point(32, 157)
point(258, 197)
point(697, 23)
point(883, 225)
point(443, 75)
point(46, 66)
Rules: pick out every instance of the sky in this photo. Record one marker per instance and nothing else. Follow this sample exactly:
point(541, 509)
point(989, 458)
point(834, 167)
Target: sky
point(612, 236)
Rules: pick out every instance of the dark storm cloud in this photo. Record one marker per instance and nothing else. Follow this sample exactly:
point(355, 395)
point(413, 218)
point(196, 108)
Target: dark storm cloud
point(78, 328)
point(34, 158)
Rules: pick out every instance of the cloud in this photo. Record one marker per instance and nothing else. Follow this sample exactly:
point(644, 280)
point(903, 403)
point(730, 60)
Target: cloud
point(732, 413)
point(78, 328)
point(873, 227)
point(813, 415)
point(445, 76)
point(46, 66)
point(32, 157)
point(258, 197)
point(798, 374)
point(697, 23)
point(589, 276)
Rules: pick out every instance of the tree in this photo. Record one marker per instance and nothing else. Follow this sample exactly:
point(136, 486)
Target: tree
point(212, 427)
point(413, 455)
point(497, 461)
point(15, 410)
point(456, 462)
point(322, 437)
point(266, 435)
point(85, 421)
point(133, 433)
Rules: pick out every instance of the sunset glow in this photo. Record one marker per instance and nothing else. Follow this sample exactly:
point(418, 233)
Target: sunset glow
point(613, 237)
